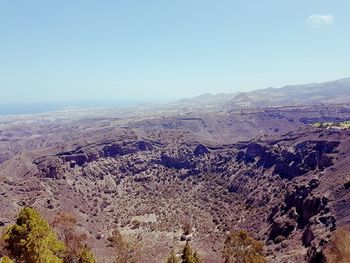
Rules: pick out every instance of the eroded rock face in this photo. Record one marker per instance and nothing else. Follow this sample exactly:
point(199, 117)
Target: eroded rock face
point(282, 226)
point(201, 150)
point(50, 167)
point(80, 156)
point(253, 150)
point(307, 156)
point(235, 185)
point(78, 159)
point(177, 162)
point(301, 210)
point(256, 153)
point(144, 146)
point(113, 150)
point(308, 236)
point(305, 204)
point(290, 162)
point(311, 206)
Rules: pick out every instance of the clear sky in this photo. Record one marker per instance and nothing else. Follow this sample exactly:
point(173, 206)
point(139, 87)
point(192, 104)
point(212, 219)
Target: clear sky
point(139, 50)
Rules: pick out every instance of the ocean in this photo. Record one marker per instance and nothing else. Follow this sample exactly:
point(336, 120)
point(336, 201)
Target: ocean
point(32, 108)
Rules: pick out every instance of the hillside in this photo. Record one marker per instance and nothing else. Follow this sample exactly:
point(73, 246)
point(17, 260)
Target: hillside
point(267, 171)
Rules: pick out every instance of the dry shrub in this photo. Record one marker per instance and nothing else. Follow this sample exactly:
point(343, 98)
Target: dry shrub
point(189, 255)
point(187, 226)
point(338, 250)
point(3, 251)
point(172, 258)
point(241, 247)
point(65, 225)
point(125, 252)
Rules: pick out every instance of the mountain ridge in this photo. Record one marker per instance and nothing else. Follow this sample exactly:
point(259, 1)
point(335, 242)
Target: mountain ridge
point(335, 91)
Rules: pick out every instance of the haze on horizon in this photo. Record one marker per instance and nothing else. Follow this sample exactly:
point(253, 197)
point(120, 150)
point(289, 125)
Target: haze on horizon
point(68, 51)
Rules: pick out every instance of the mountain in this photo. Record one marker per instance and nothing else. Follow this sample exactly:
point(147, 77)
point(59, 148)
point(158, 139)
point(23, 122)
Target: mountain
point(315, 93)
point(208, 98)
point(337, 91)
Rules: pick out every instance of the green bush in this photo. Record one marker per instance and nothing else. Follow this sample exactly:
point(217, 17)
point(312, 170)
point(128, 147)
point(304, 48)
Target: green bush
point(32, 240)
point(86, 256)
point(6, 260)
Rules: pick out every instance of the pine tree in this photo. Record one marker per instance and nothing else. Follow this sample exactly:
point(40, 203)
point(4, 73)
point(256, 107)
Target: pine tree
point(32, 240)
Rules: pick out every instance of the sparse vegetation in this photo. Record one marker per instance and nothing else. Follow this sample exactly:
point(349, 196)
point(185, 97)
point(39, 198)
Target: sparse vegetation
point(187, 227)
point(194, 198)
point(125, 252)
point(76, 249)
point(172, 258)
point(337, 125)
point(338, 250)
point(240, 247)
point(3, 251)
point(188, 255)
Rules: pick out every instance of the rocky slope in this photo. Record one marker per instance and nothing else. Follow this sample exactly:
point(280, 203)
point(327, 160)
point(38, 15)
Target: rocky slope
point(290, 191)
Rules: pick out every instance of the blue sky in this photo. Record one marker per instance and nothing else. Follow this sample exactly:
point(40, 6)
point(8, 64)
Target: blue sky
point(59, 51)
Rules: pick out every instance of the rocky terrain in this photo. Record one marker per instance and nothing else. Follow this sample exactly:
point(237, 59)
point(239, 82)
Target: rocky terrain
point(155, 171)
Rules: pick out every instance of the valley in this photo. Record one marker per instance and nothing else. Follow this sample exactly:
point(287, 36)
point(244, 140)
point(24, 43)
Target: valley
point(149, 174)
